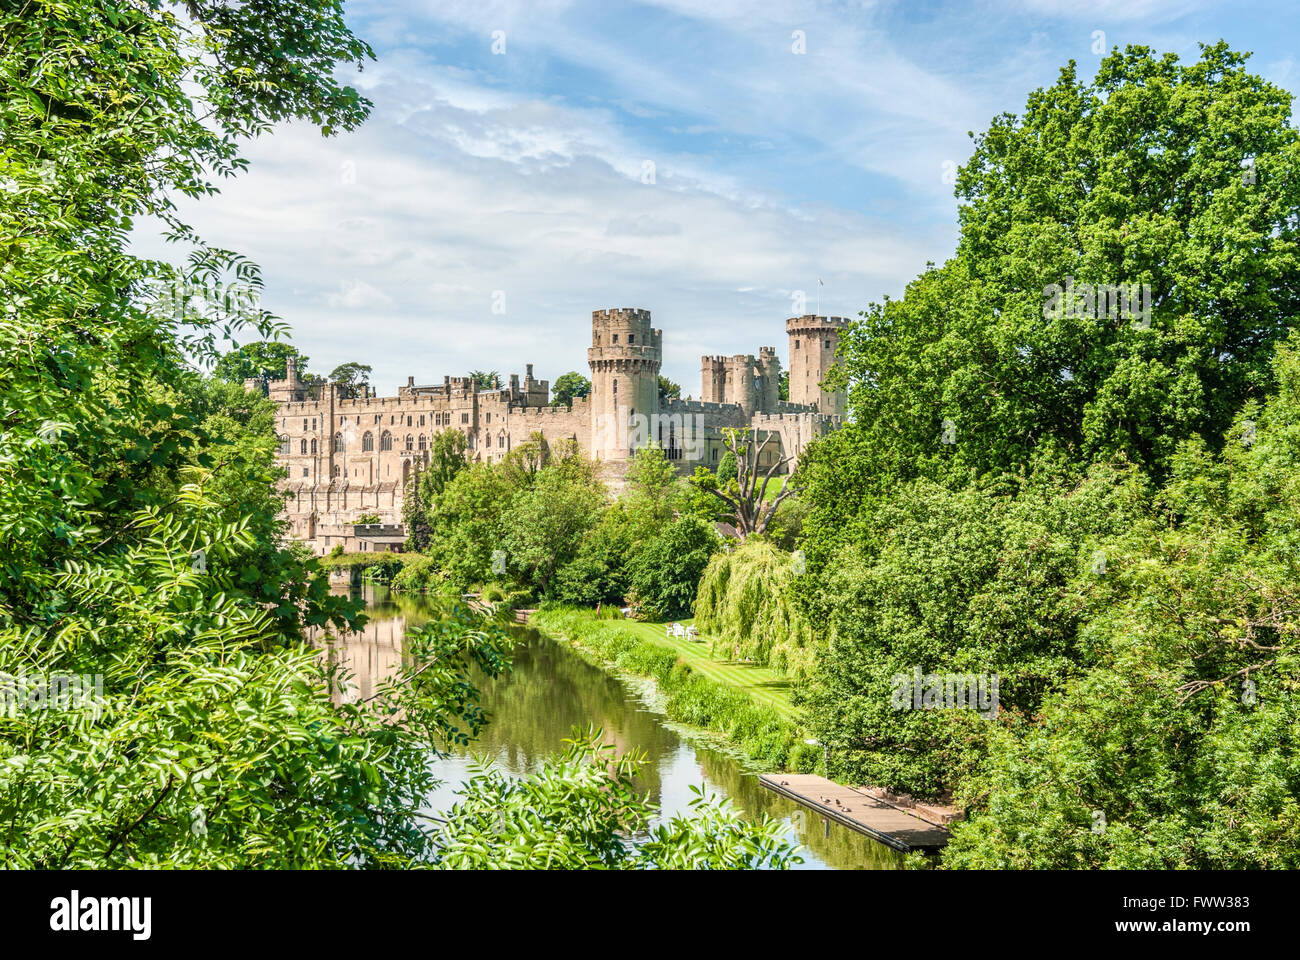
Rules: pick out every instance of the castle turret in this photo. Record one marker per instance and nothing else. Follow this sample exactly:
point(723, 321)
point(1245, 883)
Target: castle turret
point(625, 356)
point(769, 378)
point(813, 341)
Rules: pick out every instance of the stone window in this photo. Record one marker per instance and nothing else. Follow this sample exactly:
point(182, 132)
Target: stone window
point(501, 441)
point(285, 447)
point(338, 443)
point(796, 344)
point(303, 446)
point(313, 445)
point(424, 443)
point(828, 344)
point(615, 340)
point(304, 471)
point(367, 442)
point(335, 471)
point(464, 418)
point(421, 419)
point(489, 418)
point(313, 423)
point(631, 338)
point(386, 441)
point(410, 442)
point(304, 424)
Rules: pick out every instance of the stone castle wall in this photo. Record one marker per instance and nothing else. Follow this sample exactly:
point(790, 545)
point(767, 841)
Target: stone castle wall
point(348, 455)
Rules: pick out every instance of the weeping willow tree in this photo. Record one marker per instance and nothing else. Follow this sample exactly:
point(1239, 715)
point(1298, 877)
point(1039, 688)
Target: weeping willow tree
point(744, 603)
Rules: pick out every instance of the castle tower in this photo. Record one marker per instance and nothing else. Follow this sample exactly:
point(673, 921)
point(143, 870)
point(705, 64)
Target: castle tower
point(769, 378)
point(713, 379)
point(812, 352)
point(625, 355)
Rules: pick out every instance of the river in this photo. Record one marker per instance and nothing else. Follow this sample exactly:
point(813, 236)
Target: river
point(552, 689)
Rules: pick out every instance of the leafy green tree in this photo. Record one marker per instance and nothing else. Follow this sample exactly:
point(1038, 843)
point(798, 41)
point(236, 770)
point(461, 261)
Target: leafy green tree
point(547, 521)
point(486, 379)
point(267, 359)
point(1157, 172)
point(653, 492)
point(744, 600)
point(668, 390)
point(783, 388)
point(569, 386)
point(467, 525)
point(1176, 746)
point(447, 458)
point(665, 572)
point(351, 376)
point(415, 513)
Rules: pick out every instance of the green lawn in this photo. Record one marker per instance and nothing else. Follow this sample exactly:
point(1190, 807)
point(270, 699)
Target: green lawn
point(763, 685)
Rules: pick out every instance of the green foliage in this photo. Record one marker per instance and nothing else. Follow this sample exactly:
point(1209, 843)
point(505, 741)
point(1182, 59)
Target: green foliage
point(1134, 178)
point(668, 390)
point(486, 379)
point(583, 811)
point(1177, 746)
point(969, 582)
point(665, 573)
point(265, 359)
point(546, 522)
point(379, 567)
point(745, 602)
point(568, 387)
point(352, 377)
point(367, 518)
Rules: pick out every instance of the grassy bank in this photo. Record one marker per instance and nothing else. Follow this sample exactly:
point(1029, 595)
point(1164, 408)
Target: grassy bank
point(748, 705)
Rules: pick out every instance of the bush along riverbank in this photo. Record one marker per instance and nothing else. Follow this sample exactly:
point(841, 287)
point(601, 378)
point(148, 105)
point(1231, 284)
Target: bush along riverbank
point(758, 731)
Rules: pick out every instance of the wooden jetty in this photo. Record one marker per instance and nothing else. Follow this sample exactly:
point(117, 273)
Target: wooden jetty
point(891, 825)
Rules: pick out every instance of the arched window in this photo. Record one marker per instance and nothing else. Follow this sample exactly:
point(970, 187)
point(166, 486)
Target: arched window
point(338, 443)
point(386, 441)
point(367, 442)
point(302, 447)
point(335, 471)
point(410, 442)
point(313, 445)
point(424, 443)
point(285, 447)
point(501, 440)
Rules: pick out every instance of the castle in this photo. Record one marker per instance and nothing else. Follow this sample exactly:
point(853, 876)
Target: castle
point(350, 455)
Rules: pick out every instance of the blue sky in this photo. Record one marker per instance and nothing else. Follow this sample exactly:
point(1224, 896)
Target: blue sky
point(494, 200)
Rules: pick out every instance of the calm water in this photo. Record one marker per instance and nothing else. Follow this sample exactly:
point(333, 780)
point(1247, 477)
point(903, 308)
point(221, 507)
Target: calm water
point(551, 689)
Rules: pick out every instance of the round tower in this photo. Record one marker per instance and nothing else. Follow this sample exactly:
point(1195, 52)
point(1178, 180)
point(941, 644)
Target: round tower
point(625, 355)
point(813, 341)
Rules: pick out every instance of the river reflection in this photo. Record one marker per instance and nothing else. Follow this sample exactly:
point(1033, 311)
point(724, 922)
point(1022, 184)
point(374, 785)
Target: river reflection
point(550, 691)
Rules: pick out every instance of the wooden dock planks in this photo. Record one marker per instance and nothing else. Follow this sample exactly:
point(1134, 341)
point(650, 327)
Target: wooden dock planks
point(890, 825)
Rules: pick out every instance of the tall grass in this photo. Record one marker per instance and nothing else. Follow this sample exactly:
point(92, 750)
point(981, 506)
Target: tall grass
point(744, 603)
point(757, 730)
